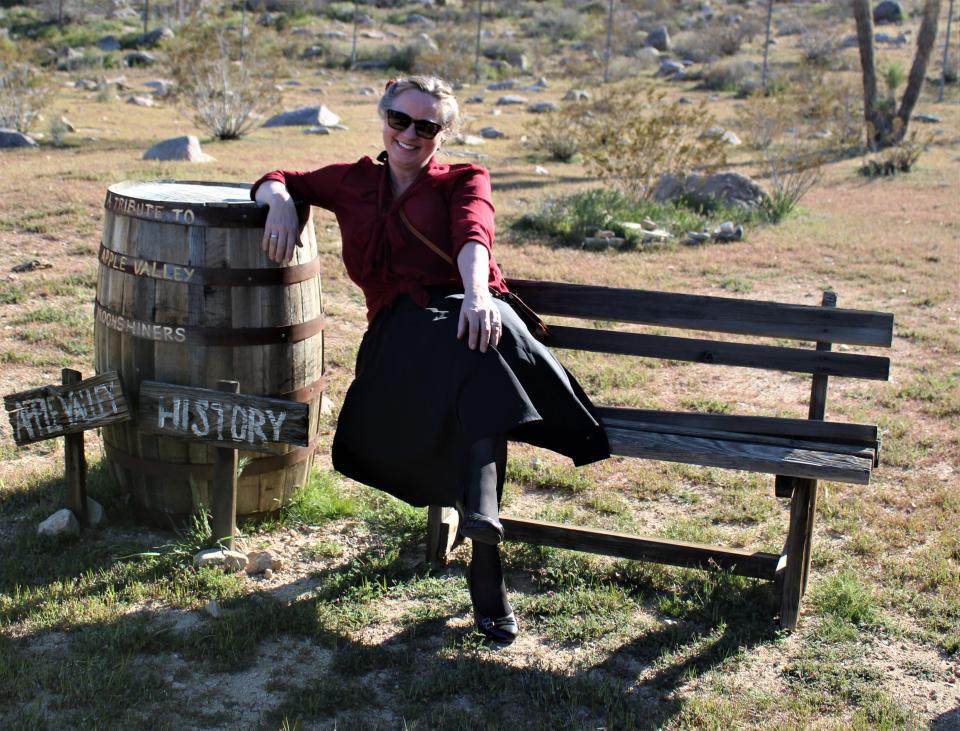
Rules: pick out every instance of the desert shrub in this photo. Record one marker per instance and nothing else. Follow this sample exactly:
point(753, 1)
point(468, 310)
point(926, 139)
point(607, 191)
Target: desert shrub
point(820, 47)
point(713, 41)
point(894, 160)
point(830, 106)
point(793, 172)
point(560, 24)
point(560, 134)
point(567, 220)
point(226, 87)
point(632, 144)
point(24, 92)
point(729, 75)
point(762, 120)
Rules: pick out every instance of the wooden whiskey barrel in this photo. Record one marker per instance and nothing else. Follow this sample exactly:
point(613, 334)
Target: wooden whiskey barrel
point(186, 296)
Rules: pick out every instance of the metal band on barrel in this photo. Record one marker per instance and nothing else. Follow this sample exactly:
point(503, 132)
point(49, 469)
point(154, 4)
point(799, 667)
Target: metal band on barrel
point(216, 336)
point(181, 471)
point(208, 276)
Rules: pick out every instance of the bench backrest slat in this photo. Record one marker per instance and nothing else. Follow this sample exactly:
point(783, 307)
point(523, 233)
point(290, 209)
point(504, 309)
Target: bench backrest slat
point(827, 431)
point(715, 314)
point(695, 350)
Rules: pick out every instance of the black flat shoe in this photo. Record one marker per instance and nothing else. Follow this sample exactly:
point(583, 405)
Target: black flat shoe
point(502, 629)
point(479, 527)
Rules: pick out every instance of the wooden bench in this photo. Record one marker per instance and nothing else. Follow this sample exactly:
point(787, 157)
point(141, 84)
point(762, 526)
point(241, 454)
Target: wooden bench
point(798, 452)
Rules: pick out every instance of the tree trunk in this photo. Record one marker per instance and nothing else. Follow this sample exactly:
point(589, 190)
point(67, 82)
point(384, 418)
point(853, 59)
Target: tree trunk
point(356, 21)
point(925, 41)
point(878, 123)
point(946, 52)
point(766, 45)
point(606, 56)
point(476, 57)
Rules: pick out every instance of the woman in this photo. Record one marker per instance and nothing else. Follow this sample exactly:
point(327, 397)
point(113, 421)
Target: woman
point(446, 371)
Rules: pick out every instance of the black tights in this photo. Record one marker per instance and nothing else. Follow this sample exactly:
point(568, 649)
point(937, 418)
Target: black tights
point(485, 470)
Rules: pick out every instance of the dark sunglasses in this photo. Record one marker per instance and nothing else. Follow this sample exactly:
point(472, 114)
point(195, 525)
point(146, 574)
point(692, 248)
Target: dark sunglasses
point(423, 127)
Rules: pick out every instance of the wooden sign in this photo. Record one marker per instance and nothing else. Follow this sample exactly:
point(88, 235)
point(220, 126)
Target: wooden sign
point(234, 420)
point(54, 411)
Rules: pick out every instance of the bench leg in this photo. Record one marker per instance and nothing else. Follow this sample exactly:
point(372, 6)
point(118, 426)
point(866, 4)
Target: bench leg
point(795, 560)
point(442, 526)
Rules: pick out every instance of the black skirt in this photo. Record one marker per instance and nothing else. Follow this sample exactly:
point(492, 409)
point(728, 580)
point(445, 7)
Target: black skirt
point(421, 397)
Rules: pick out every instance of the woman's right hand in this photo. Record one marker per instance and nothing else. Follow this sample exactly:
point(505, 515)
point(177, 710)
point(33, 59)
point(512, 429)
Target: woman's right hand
point(281, 234)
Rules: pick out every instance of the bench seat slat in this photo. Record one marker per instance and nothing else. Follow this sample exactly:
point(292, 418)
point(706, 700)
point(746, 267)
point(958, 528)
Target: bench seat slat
point(677, 553)
point(766, 458)
point(695, 350)
point(827, 431)
point(715, 314)
point(852, 449)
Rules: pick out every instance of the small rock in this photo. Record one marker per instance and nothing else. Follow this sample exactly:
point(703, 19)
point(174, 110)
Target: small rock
point(504, 85)
point(231, 561)
point(317, 131)
point(888, 11)
point(277, 564)
point(140, 101)
point(927, 118)
point(268, 573)
point(212, 608)
point(375, 35)
point(337, 35)
point(540, 170)
point(305, 117)
point(474, 100)
point(576, 95)
point(696, 237)
point(426, 41)
point(659, 38)
point(468, 140)
point(96, 518)
point(670, 69)
point(259, 561)
point(491, 133)
point(648, 225)
point(10, 138)
point(108, 43)
point(186, 147)
point(31, 266)
point(156, 37)
point(541, 107)
point(139, 58)
point(61, 523)
point(327, 405)
point(511, 99)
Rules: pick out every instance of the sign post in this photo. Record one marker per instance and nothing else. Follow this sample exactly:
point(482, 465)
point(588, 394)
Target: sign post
point(68, 411)
point(225, 485)
point(229, 420)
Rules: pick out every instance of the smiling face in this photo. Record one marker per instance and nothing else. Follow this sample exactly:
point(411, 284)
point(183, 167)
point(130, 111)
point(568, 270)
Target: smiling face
point(408, 153)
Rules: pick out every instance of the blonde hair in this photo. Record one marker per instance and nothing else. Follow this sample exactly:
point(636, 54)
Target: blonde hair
point(432, 85)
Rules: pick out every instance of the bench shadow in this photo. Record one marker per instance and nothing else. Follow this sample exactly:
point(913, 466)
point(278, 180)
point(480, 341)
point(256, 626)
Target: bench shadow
point(432, 661)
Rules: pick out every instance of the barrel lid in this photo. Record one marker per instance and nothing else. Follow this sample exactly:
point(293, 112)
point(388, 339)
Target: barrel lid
point(187, 202)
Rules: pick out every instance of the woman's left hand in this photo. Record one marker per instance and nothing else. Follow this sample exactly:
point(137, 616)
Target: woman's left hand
point(479, 321)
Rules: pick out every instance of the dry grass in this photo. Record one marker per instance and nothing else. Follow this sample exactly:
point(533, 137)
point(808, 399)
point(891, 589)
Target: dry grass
point(611, 638)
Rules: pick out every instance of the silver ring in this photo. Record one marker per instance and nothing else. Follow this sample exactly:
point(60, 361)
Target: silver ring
point(274, 236)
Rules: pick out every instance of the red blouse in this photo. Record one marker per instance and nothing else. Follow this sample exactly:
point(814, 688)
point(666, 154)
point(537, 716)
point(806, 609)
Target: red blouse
point(448, 204)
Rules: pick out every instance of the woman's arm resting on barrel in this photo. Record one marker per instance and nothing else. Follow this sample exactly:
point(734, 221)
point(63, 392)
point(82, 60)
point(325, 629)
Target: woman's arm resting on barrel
point(282, 231)
point(479, 316)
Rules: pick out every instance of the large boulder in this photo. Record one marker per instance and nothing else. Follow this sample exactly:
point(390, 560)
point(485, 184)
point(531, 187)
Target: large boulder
point(10, 138)
point(658, 38)
point(888, 11)
point(186, 148)
point(304, 117)
point(733, 190)
point(139, 58)
point(108, 43)
point(61, 523)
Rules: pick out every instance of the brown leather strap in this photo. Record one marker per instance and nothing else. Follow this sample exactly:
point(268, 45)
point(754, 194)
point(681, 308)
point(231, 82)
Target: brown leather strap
point(430, 245)
point(222, 336)
point(207, 276)
point(180, 471)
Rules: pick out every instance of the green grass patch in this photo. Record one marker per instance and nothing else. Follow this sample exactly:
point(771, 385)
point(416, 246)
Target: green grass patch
point(546, 476)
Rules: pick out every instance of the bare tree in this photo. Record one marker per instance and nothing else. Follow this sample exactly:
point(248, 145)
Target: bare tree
point(476, 58)
point(887, 125)
point(766, 45)
point(606, 55)
point(946, 55)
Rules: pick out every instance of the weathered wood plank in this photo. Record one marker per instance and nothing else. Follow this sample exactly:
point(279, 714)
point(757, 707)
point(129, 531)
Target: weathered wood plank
point(53, 411)
point(792, 560)
point(228, 420)
point(677, 553)
point(75, 460)
point(717, 314)
point(852, 449)
point(827, 431)
point(746, 355)
point(224, 488)
point(740, 456)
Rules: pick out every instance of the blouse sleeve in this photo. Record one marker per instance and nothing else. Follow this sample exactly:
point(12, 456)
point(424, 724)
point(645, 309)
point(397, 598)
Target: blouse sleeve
point(316, 187)
point(472, 211)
